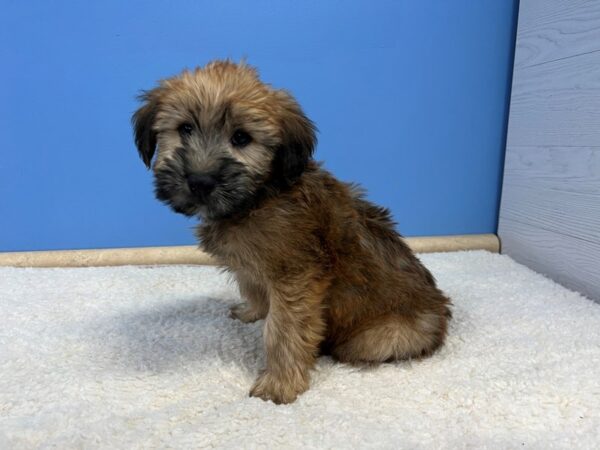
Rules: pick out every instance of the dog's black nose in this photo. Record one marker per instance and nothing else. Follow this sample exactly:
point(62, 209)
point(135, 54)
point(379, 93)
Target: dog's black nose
point(201, 184)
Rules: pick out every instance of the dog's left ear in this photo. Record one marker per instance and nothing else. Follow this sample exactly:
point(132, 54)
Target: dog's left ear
point(298, 140)
point(143, 121)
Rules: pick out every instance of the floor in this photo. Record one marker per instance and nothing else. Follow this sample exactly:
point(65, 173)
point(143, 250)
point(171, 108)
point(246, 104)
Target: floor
point(139, 357)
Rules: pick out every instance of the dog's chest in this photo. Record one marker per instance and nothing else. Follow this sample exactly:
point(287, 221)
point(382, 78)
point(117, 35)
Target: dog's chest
point(233, 245)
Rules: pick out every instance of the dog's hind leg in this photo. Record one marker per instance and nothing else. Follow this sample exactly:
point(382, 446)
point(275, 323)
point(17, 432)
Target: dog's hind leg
point(392, 337)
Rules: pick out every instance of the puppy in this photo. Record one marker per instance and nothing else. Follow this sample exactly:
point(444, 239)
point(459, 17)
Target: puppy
point(322, 265)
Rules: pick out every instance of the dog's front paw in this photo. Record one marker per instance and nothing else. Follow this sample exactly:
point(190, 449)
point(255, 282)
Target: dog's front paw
point(270, 387)
point(245, 313)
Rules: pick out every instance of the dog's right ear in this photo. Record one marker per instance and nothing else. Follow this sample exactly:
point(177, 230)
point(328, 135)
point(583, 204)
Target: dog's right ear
point(143, 121)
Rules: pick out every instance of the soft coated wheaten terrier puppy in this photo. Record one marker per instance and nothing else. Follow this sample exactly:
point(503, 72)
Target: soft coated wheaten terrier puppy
point(312, 256)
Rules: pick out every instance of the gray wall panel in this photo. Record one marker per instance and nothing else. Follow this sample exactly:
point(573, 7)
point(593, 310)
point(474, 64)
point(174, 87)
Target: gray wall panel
point(550, 208)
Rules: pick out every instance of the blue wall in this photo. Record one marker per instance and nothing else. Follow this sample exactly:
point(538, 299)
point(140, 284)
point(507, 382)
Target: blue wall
point(410, 98)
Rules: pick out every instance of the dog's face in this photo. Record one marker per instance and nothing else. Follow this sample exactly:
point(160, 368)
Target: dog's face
point(220, 135)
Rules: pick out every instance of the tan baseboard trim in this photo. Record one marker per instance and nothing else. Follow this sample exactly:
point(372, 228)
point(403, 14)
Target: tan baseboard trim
point(192, 255)
point(189, 254)
point(432, 244)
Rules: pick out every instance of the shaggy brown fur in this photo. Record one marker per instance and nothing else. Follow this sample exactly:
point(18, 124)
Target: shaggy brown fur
point(323, 266)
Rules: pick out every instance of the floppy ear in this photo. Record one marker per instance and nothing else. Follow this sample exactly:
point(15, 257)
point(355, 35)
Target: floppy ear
point(142, 121)
point(298, 140)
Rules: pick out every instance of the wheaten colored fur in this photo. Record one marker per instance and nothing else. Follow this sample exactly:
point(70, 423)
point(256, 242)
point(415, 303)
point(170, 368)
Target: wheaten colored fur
point(322, 265)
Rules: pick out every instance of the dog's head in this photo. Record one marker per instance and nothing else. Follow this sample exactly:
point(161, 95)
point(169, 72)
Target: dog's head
point(220, 136)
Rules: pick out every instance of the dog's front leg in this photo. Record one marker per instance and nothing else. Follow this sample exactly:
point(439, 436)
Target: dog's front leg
point(293, 331)
point(256, 301)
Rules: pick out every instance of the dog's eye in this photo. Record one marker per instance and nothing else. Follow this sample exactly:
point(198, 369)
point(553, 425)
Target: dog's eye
point(185, 129)
point(240, 138)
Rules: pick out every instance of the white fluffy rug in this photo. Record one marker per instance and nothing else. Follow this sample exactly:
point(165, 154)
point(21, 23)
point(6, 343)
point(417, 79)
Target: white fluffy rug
point(138, 357)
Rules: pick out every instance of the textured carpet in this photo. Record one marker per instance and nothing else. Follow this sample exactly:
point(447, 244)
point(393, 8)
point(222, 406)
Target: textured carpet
point(138, 357)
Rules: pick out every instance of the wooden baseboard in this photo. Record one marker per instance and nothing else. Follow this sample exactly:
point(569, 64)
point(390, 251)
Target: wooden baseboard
point(192, 255)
